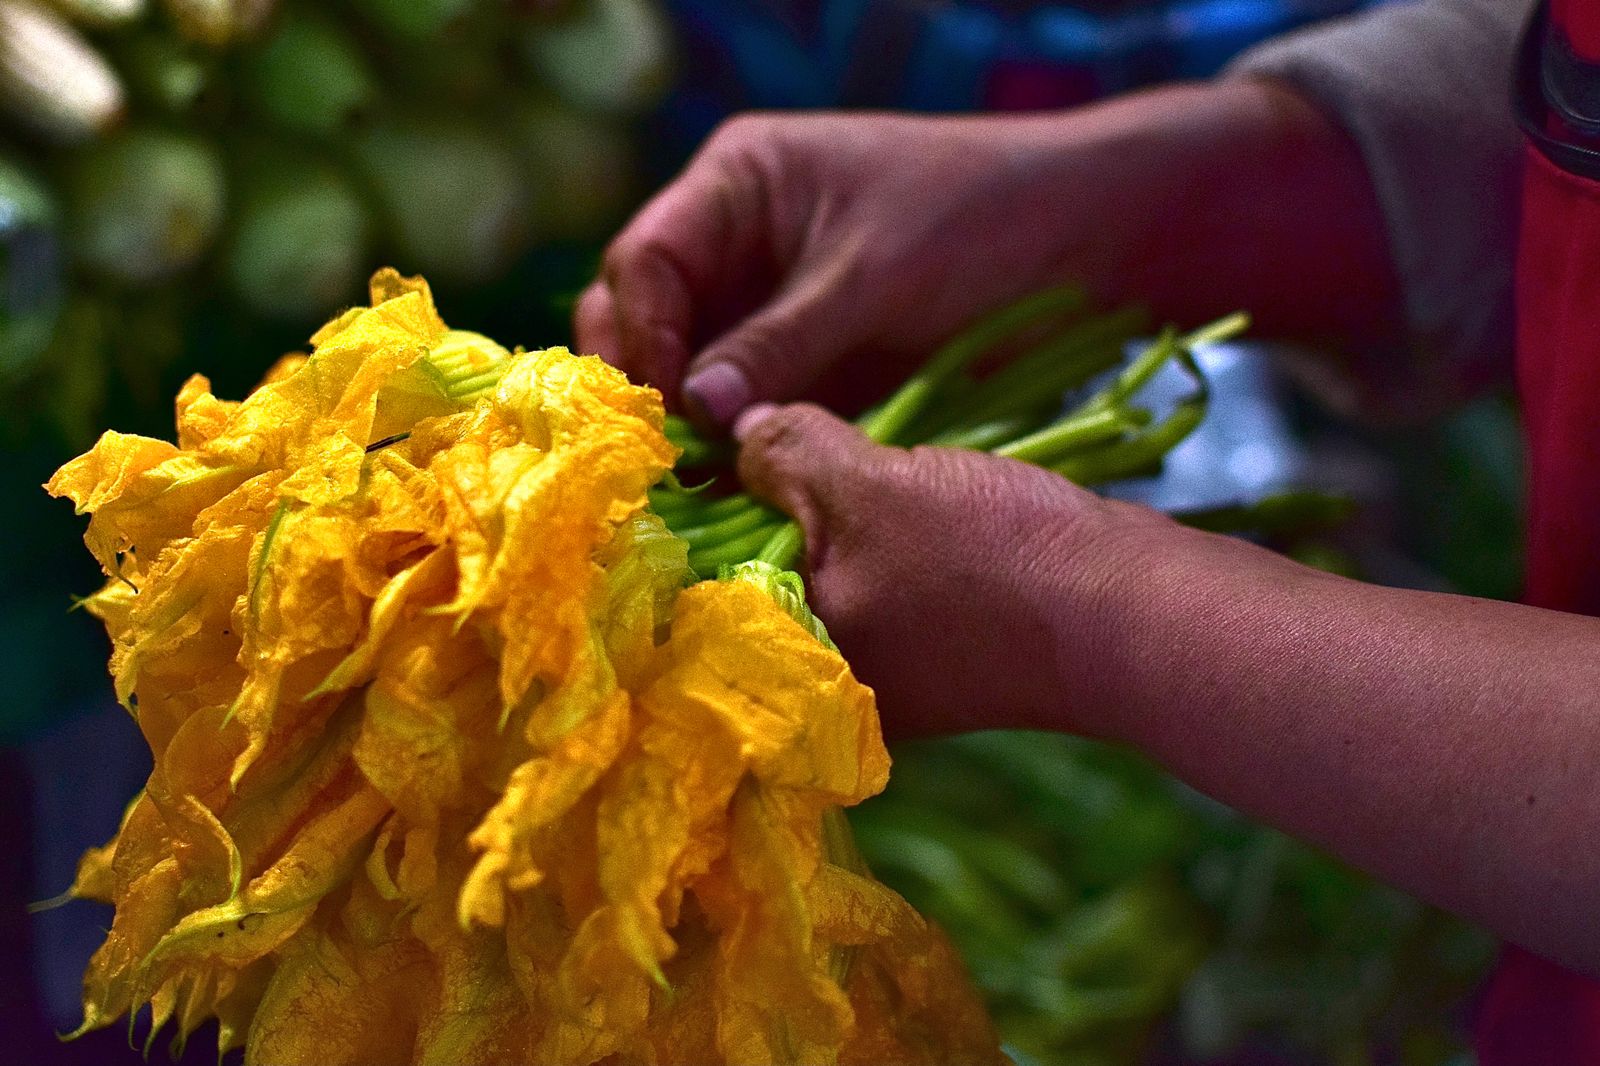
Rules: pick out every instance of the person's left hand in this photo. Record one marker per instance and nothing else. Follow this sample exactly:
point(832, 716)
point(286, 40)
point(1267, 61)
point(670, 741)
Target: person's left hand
point(968, 590)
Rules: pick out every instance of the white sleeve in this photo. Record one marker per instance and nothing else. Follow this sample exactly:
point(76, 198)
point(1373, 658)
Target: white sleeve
point(1424, 88)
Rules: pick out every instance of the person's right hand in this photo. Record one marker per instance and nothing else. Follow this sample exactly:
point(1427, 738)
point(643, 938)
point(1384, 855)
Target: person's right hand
point(799, 253)
point(792, 246)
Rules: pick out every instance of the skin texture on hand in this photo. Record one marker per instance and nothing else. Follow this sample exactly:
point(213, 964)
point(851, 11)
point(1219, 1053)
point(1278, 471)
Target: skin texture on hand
point(823, 255)
point(940, 573)
point(1445, 743)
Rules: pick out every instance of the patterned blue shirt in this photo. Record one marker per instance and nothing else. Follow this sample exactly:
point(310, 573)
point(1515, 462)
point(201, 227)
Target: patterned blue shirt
point(956, 55)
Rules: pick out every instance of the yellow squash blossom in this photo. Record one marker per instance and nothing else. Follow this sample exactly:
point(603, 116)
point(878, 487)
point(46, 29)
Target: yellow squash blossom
point(450, 764)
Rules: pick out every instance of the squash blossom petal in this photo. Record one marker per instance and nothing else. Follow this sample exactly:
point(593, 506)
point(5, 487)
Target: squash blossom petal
point(452, 761)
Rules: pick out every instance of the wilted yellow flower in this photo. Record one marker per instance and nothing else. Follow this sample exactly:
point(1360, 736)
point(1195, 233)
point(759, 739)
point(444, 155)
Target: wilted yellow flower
point(450, 766)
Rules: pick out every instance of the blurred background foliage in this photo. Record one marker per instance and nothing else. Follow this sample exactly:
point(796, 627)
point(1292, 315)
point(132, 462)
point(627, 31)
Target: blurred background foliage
point(194, 185)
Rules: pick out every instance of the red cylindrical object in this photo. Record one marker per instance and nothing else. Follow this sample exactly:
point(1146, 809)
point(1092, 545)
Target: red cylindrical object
point(1579, 22)
point(1536, 1013)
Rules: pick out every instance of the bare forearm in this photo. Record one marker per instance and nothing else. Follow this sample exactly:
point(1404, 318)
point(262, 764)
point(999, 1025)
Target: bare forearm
point(1443, 742)
point(1230, 194)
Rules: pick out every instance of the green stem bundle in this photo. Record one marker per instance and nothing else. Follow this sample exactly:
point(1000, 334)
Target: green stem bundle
point(1016, 411)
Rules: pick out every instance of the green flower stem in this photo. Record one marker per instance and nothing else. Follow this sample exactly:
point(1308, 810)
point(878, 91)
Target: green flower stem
point(948, 409)
point(1010, 413)
point(783, 548)
point(478, 386)
point(752, 517)
point(1069, 435)
point(1168, 346)
point(456, 368)
point(453, 365)
point(1137, 373)
point(704, 561)
point(1042, 376)
point(697, 451)
point(981, 437)
point(1136, 455)
point(1223, 329)
point(465, 380)
point(673, 494)
point(699, 512)
point(885, 423)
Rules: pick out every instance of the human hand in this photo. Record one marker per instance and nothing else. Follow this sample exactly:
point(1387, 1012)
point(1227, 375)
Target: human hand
point(823, 255)
point(968, 590)
point(796, 246)
point(1424, 737)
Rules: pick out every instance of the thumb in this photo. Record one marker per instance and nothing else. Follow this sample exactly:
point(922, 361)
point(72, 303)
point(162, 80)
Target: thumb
point(774, 355)
point(805, 461)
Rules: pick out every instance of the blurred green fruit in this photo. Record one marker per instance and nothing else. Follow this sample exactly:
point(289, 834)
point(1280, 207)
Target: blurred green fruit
point(299, 247)
point(454, 199)
point(145, 204)
point(611, 56)
point(412, 19)
point(308, 75)
point(161, 70)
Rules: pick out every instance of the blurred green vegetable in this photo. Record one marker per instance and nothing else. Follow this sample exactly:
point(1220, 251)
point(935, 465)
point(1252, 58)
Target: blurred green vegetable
point(415, 19)
point(300, 241)
point(145, 204)
point(415, 131)
point(1094, 897)
point(161, 70)
point(582, 169)
point(308, 75)
point(611, 56)
point(454, 200)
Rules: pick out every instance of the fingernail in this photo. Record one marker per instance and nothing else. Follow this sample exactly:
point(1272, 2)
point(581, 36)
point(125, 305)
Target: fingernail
point(750, 418)
point(721, 391)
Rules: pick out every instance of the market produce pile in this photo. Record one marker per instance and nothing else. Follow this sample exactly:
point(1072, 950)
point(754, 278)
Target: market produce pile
point(450, 765)
point(175, 174)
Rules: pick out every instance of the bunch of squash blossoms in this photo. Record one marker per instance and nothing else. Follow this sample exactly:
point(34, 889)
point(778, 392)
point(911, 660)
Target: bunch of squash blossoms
point(454, 760)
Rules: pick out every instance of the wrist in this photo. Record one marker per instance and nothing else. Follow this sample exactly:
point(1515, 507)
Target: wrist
point(1112, 573)
point(1202, 198)
point(1159, 626)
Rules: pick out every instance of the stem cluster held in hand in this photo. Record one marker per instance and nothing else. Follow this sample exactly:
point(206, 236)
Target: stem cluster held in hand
point(1017, 410)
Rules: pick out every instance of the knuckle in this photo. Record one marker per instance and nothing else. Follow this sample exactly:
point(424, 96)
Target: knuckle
point(752, 151)
point(740, 133)
point(761, 348)
point(630, 253)
point(592, 302)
